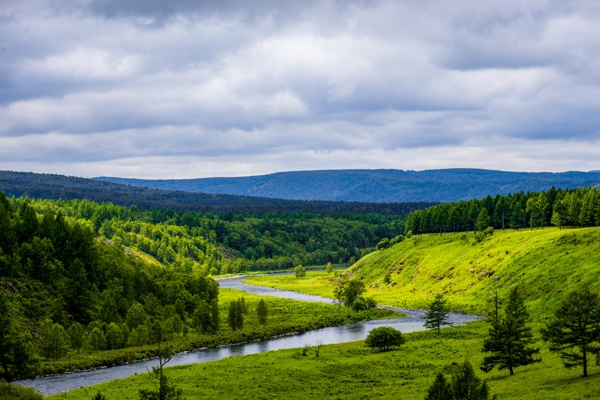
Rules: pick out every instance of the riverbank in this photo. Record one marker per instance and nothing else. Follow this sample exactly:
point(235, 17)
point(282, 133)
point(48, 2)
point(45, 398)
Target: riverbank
point(352, 371)
point(285, 317)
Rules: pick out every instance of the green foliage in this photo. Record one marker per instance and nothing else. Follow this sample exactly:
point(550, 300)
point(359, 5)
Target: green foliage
point(384, 338)
point(17, 355)
point(440, 389)
point(163, 388)
point(574, 331)
point(437, 313)
point(465, 385)
point(262, 312)
point(15, 392)
point(510, 336)
point(383, 244)
point(236, 314)
point(99, 396)
point(300, 271)
point(348, 290)
point(54, 340)
point(329, 267)
point(224, 242)
point(560, 207)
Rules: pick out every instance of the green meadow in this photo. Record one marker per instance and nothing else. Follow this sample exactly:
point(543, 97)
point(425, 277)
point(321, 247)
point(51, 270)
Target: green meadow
point(352, 371)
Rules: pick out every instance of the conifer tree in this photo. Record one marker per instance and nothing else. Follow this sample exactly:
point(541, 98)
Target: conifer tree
point(510, 337)
point(437, 315)
point(574, 332)
point(440, 389)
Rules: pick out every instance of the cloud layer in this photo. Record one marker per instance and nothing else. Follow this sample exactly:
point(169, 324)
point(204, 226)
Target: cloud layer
point(168, 89)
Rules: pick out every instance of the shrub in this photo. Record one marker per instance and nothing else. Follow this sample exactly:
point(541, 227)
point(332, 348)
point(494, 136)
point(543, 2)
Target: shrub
point(16, 392)
point(300, 271)
point(383, 244)
point(384, 338)
point(363, 303)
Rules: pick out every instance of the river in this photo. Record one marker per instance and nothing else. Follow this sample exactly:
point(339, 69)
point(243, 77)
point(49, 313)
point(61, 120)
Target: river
point(338, 334)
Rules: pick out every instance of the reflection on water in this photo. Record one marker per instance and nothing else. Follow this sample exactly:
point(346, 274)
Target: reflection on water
point(331, 335)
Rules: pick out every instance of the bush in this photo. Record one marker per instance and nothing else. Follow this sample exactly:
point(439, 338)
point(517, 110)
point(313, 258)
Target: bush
point(362, 303)
point(16, 392)
point(479, 237)
point(383, 244)
point(384, 338)
point(300, 271)
point(397, 239)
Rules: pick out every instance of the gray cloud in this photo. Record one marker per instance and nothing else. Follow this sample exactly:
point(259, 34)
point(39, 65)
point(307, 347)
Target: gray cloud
point(96, 86)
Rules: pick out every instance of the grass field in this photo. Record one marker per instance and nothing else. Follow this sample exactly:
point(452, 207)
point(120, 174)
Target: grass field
point(352, 371)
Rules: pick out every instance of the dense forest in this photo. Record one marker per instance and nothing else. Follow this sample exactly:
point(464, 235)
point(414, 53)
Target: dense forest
point(225, 242)
point(49, 186)
point(54, 274)
point(558, 207)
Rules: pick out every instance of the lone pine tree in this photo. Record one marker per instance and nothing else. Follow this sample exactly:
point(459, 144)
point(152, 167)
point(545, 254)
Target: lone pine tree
point(574, 332)
point(437, 315)
point(510, 336)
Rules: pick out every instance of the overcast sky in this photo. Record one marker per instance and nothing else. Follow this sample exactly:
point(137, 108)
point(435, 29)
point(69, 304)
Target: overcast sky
point(198, 88)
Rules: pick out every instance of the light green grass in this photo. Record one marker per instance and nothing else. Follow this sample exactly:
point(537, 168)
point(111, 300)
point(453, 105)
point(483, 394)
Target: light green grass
point(352, 371)
point(545, 263)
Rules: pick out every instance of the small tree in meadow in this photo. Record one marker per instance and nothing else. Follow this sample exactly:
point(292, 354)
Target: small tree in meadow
point(329, 267)
point(300, 271)
point(384, 338)
point(262, 312)
point(437, 315)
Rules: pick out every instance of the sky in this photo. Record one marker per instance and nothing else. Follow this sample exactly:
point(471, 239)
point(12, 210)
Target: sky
point(202, 88)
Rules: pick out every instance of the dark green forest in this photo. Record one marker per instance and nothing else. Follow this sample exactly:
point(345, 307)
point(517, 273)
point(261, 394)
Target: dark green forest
point(558, 207)
point(54, 274)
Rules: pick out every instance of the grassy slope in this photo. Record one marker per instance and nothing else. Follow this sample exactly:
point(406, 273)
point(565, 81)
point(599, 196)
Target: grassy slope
point(546, 263)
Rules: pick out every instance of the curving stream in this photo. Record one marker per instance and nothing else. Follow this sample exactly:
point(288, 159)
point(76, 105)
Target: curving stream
point(338, 334)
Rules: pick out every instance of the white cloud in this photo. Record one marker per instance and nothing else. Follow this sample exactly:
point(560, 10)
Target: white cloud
point(93, 87)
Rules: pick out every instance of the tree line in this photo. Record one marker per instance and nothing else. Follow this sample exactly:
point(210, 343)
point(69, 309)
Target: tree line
point(559, 207)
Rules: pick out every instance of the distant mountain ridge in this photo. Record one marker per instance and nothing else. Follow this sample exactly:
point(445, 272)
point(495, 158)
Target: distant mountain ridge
point(380, 185)
point(50, 186)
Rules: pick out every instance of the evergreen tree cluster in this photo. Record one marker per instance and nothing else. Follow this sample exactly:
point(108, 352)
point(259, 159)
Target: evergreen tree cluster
point(559, 207)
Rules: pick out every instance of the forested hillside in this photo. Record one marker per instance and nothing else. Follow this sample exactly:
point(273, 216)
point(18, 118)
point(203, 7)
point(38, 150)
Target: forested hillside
point(70, 298)
point(216, 243)
point(48, 186)
point(389, 185)
point(573, 208)
point(54, 274)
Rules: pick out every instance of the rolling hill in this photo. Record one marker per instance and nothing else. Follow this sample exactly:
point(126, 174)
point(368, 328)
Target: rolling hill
point(381, 185)
point(50, 186)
